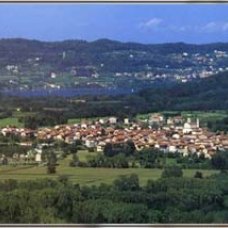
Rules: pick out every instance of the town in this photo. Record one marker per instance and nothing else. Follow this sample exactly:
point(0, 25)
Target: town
point(173, 135)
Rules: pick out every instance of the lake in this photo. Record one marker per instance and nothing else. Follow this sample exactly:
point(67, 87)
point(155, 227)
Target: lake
point(67, 92)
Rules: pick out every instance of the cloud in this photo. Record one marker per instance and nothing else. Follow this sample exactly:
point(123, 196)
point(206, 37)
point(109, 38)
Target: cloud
point(158, 24)
point(214, 26)
point(210, 27)
point(175, 28)
point(225, 27)
point(152, 23)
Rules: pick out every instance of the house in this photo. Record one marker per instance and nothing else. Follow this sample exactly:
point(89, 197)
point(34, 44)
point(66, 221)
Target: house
point(172, 149)
point(189, 126)
point(126, 121)
point(38, 153)
point(176, 136)
point(90, 143)
point(178, 120)
point(53, 75)
point(170, 121)
point(84, 125)
point(113, 120)
point(101, 121)
point(156, 120)
point(100, 146)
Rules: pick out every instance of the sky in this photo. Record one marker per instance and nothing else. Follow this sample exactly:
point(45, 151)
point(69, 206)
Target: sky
point(143, 23)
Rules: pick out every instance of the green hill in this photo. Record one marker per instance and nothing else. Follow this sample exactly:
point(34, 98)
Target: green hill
point(114, 55)
point(204, 94)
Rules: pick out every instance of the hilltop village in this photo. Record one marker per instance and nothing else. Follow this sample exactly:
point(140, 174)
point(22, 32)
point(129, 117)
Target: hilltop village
point(174, 134)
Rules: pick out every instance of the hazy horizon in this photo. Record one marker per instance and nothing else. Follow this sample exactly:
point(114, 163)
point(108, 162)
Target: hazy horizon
point(112, 40)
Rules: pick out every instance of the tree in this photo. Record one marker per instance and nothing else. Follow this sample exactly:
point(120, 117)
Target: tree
point(30, 122)
point(75, 160)
point(52, 162)
point(198, 175)
point(172, 171)
point(120, 161)
point(127, 183)
point(5, 161)
point(108, 150)
point(131, 147)
point(64, 179)
point(219, 161)
point(148, 157)
point(73, 148)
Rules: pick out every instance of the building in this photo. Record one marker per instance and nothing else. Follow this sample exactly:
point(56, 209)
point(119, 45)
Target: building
point(190, 127)
point(113, 120)
point(126, 121)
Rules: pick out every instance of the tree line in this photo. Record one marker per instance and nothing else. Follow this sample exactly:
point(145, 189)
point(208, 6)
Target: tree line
point(170, 199)
point(126, 156)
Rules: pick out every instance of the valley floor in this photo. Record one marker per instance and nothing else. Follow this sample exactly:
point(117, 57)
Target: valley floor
point(87, 176)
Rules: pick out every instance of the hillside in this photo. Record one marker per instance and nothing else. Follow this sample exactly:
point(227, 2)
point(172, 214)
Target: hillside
point(110, 53)
point(105, 63)
point(204, 94)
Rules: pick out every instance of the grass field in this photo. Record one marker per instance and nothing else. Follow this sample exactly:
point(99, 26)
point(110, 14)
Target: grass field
point(79, 120)
point(88, 176)
point(203, 116)
point(83, 154)
point(12, 121)
point(74, 121)
point(206, 116)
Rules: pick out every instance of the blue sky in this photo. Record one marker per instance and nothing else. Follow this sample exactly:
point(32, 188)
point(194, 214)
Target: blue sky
point(145, 23)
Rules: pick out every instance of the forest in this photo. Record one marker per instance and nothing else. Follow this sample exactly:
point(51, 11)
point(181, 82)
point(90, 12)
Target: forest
point(170, 199)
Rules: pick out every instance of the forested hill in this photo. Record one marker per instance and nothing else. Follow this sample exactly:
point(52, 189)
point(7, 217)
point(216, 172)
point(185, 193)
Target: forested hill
point(114, 55)
point(210, 93)
point(28, 64)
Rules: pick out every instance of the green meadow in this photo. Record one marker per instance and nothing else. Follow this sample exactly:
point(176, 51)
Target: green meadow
point(10, 121)
point(203, 116)
point(84, 175)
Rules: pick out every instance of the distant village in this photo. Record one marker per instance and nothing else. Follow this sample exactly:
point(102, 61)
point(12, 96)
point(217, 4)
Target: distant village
point(174, 134)
point(199, 66)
